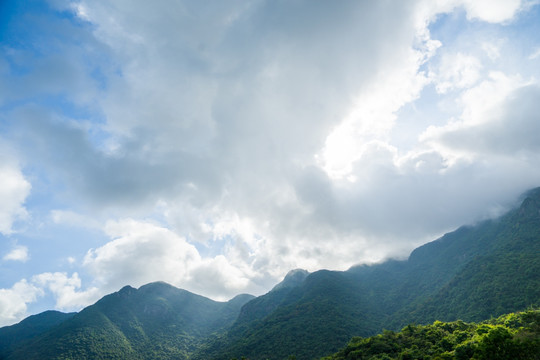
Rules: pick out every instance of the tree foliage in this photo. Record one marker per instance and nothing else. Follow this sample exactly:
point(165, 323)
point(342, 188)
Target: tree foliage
point(512, 336)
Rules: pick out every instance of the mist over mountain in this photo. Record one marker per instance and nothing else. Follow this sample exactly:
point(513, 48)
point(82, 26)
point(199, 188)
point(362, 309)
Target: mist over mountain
point(474, 273)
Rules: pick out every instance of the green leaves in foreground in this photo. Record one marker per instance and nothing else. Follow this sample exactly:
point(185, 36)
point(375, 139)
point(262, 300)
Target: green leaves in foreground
point(512, 336)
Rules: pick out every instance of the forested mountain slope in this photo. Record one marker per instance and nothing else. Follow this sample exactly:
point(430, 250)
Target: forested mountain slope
point(472, 274)
point(32, 326)
point(504, 276)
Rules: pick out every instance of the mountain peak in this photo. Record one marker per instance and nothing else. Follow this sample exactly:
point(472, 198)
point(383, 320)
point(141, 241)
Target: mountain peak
point(244, 298)
point(533, 193)
point(126, 289)
point(158, 285)
point(292, 279)
point(530, 207)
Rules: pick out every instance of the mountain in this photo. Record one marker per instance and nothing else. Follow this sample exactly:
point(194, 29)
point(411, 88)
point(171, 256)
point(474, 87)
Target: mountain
point(156, 321)
point(317, 314)
point(475, 273)
point(12, 336)
point(503, 275)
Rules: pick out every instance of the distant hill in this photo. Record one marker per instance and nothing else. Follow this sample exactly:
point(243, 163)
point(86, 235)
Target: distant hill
point(474, 273)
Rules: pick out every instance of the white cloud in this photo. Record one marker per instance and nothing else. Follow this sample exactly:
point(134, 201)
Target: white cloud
point(507, 125)
point(66, 290)
point(481, 108)
point(218, 279)
point(14, 189)
point(456, 71)
point(142, 252)
point(18, 253)
point(492, 10)
point(13, 301)
point(374, 111)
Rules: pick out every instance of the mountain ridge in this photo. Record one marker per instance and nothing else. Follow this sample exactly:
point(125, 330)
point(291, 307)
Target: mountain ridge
point(419, 285)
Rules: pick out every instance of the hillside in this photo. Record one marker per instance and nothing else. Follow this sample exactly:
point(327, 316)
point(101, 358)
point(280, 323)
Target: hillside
point(504, 276)
point(319, 314)
point(32, 326)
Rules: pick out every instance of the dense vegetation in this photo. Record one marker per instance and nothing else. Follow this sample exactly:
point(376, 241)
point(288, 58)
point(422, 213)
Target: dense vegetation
point(472, 274)
point(32, 326)
point(512, 336)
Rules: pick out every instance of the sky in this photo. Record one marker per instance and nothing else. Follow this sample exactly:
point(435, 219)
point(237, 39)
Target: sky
point(217, 145)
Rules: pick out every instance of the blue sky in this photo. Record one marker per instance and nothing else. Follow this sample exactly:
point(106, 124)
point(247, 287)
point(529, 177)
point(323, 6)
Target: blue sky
point(217, 145)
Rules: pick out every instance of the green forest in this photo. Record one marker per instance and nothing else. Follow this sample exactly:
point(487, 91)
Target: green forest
point(511, 336)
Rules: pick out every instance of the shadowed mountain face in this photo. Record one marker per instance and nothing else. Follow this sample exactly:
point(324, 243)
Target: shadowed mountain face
point(473, 273)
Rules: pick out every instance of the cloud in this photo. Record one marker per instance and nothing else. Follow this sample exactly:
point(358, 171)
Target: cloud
point(143, 252)
point(457, 71)
point(90, 174)
point(13, 301)
point(492, 11)
point(18, 253)
point(65, 290)
point(499, 118)
point(373, 114)
point(140, 253)
point(14, 189)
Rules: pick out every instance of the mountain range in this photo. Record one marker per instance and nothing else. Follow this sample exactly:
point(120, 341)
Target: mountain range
point(474, 273)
